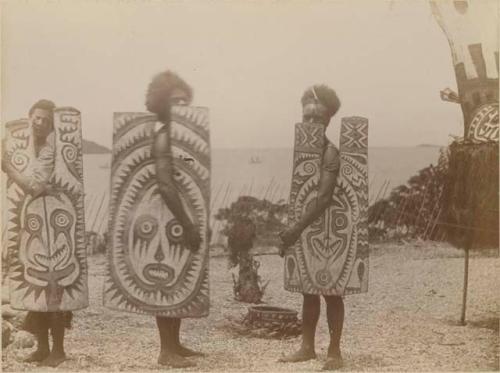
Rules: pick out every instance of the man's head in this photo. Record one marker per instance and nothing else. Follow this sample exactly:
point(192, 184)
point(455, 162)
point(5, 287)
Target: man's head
point(167, 89)
point(319, 104)
point(41, 116)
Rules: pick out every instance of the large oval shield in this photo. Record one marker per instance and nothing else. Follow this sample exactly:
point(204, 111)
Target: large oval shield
point(331, 256)
point(150, 269)
point(45, 234)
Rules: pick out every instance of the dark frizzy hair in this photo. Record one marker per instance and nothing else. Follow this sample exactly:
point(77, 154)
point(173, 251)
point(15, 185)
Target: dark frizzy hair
point(325, 95)
point(43, 105)
point(159, 90)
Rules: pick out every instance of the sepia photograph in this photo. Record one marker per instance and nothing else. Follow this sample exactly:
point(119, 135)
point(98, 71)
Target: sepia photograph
point(250, 186)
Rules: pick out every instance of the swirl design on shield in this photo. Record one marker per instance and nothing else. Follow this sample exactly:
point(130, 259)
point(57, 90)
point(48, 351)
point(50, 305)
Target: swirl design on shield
point(323, 277)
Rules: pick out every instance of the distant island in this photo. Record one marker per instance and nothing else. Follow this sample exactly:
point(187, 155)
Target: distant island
point(90, 147)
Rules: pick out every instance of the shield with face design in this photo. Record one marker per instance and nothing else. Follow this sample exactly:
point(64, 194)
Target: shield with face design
point(331, 256)
point(45, 234)
point(150, 270)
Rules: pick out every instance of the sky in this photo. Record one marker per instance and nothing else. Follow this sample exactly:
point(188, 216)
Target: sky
point(248, 62)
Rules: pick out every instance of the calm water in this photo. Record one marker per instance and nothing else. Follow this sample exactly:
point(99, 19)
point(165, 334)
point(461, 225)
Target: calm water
point(234, 173)
point(269, 176)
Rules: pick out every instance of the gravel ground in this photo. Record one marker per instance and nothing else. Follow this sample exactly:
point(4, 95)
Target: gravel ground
point(408, 321)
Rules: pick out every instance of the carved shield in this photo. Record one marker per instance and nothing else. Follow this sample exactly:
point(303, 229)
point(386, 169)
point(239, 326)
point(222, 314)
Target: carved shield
point(471, 28)
point(484, 124)
point(45, 234)
point(331, 256)
point(150, 269)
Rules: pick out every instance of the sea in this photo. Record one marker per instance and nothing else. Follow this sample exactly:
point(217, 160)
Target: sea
point(263, 173)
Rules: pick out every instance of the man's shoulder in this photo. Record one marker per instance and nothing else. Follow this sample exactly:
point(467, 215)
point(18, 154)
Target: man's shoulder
point(331, 150)
point(331, 145)
point(51, 138)
point(331, 157)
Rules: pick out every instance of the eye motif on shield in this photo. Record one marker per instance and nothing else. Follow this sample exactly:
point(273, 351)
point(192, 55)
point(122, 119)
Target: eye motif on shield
point(340, 222)
point(155, 250)
point(48, 241)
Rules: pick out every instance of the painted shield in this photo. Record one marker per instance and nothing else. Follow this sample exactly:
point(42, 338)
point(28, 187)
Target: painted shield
point(150, 270)
point(331, 256)
point(45, 234)
point(484, 125)
point(471, 28)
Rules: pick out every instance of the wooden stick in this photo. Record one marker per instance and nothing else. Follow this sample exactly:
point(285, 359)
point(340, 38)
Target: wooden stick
point(251, 187)
point(371, 182)
point(212, 209)
point(215, 232)
point(105, 216)
point(271, 197)
point(212, 203)
point(433, 219)
point(378, 194)
point(90, 208)
point(383, 196)
point(436, 220)
point(98, 211)
point(267, 191)
point(422, 204)
point(466, 283)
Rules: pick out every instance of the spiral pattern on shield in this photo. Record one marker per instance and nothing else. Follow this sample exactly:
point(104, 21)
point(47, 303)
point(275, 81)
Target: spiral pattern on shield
point(69, 153)
point(323, 277)
point(19, 161)
point(309, 168)
point(347, 170)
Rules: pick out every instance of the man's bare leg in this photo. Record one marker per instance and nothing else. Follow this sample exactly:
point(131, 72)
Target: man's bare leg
point(310, 316)
point(57, 355)
point(335, 317)
point(168, 354)
point(182, 350)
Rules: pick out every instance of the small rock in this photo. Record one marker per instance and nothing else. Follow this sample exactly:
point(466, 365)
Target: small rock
point(18, 320)
point(23, 339)
point(7, 329)
point(5, 296)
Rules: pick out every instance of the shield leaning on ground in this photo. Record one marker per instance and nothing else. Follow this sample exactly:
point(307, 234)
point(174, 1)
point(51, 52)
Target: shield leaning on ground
point(45, 234)
point(331, 256)
point(149, 268)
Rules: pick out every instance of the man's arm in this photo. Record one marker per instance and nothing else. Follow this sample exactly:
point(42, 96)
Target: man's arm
point(327, 182)
point(164, 171)
point(23, 181)
point(36, 184)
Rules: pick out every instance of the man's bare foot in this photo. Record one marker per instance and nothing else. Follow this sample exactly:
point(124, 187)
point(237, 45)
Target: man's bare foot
point(187, 352)
point(301, 355)
point(38, 355)
point(54, 359)
point(333, 363)
point(174, 360)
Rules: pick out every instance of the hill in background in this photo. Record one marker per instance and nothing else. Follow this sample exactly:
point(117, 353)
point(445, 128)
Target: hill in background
point(90, 147)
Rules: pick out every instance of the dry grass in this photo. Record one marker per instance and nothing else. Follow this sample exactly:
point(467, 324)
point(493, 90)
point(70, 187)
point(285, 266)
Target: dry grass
point(407, 321)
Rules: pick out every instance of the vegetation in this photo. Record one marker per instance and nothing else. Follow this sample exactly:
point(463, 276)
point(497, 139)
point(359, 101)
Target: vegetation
point(250, 220)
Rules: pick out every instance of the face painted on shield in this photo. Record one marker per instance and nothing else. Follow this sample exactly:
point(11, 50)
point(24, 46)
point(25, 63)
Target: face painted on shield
point(47, 242)
point(155, 248)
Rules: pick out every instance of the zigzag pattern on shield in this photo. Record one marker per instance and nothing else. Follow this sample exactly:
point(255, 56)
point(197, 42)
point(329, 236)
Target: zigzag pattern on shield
point(149, 268)
point(45, 235)
point(331, 256)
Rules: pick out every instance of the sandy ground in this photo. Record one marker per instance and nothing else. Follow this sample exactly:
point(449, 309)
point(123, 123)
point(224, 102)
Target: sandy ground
point(406, 322)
